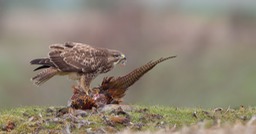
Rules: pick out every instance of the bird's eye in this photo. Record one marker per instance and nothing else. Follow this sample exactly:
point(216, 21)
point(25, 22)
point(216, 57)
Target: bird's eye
point(116, 55)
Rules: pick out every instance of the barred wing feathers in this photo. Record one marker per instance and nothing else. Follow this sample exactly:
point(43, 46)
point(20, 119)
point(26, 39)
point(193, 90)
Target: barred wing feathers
point(77, 57)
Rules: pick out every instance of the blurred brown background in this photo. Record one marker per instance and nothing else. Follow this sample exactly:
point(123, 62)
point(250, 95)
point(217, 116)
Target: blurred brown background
point(215, 42)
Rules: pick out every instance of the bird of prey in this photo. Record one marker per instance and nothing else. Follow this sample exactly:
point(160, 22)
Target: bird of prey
point(80, 61)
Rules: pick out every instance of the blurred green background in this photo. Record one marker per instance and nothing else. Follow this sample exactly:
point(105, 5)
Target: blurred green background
point(215, 42)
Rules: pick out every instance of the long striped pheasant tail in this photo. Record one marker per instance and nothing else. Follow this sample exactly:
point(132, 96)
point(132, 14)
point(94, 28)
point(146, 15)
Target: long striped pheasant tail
point(129, 79)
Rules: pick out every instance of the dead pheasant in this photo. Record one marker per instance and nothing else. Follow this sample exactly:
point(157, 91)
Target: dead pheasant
point(112, 90)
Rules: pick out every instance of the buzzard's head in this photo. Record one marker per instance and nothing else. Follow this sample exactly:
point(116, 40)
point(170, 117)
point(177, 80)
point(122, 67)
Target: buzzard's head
point(116, 57)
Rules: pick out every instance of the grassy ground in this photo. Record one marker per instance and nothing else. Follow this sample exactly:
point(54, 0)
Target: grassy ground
point(114, 118)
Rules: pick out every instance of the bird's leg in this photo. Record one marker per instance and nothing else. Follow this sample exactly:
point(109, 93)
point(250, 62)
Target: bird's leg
point(85, 84)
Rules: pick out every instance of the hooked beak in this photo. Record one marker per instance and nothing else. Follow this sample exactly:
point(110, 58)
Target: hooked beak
point(123, 60)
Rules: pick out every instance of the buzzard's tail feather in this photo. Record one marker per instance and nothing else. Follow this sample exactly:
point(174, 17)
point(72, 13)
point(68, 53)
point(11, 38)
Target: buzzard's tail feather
point(45, 62)
point(43, 76)
point(41, 67)
point(40, 61)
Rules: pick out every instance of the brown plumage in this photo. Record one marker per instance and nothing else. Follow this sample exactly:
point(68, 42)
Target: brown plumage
point(80, 61)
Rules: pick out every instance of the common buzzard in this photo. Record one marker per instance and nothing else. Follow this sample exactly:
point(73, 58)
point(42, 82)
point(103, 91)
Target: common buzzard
point(80, 61)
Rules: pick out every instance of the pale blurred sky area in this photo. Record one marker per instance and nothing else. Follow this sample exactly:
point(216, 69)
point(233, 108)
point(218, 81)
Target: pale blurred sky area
point(215, 41)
